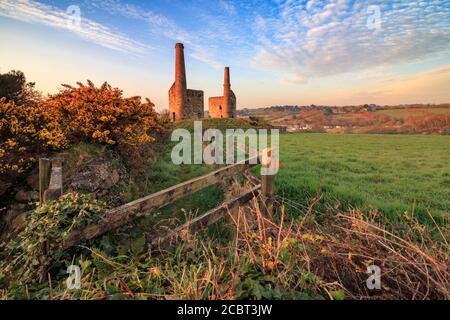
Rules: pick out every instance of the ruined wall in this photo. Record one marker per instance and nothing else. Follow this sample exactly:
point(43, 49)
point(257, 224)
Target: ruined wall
point(217, 107)
point(193, 108)
point(195, 104)
point(232, 108)
point(174, 110)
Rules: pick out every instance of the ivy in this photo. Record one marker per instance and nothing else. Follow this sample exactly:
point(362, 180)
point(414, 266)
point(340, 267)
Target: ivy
point(36, 249)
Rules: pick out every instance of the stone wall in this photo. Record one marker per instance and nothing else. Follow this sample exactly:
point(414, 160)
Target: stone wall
point(194, 104)
point(193, 107)
point(217, 107)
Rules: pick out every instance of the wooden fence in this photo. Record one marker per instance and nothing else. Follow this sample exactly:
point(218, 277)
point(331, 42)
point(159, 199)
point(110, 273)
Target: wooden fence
point(125, 214)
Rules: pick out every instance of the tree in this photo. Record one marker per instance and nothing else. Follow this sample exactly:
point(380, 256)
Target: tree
point(14, 87)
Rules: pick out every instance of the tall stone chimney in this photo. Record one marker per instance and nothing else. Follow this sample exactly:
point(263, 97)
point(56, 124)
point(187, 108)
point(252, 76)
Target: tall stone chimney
point(180, 82)
point(226, 93)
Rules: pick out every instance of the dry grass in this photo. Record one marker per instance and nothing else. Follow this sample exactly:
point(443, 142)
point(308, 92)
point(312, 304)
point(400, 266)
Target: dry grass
point(321, 255)
point(339, 249)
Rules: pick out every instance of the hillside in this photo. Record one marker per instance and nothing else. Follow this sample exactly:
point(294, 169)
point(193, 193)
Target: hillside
point(403, 119)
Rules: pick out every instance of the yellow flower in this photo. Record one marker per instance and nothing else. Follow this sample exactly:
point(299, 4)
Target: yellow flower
point(155, 271)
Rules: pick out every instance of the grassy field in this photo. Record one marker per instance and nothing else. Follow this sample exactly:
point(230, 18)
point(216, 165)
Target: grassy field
point(401, 113)
point(394, 173)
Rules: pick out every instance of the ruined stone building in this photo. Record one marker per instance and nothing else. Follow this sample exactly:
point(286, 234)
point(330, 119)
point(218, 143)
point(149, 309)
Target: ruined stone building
point(184, 103)
point(225, 106)
point(189, 104)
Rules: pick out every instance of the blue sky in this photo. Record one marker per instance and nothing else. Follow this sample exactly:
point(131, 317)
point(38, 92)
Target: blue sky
point(280, 52)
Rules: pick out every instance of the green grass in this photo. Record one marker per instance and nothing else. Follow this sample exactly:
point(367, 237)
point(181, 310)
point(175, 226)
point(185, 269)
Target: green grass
point(222, 124)
point(164, 174)
point(394, 173)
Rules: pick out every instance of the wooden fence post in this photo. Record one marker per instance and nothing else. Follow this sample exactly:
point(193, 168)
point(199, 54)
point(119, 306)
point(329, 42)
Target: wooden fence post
point(267, 181)
point(44, 177)
point(55, 188)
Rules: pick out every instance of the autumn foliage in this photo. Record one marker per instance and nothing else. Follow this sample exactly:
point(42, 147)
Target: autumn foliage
point(25, 132)
point(429, 123)
point(103, 115)
point(85, 113)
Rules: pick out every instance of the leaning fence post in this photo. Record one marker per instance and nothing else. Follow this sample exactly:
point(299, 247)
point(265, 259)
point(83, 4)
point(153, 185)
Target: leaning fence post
point(44, 177)
point(268, 180)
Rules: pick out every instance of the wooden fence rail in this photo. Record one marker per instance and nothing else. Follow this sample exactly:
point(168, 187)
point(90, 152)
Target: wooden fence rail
point(124, 214)
point(204, 220)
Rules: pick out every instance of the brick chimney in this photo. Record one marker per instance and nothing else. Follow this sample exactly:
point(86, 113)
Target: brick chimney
point(226, 93)
point(180, 82)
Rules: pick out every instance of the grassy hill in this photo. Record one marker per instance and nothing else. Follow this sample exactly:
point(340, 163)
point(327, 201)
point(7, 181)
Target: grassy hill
point(222, 124)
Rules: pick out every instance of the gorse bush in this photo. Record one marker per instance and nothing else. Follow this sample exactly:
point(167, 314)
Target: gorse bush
point(103, 115)
point(25, 132)
point(76, 114)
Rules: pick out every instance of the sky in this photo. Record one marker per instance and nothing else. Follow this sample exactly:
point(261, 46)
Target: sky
point(337, 52)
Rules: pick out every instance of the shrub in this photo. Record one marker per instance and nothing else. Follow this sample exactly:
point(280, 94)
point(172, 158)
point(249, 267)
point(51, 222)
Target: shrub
point(103, 115)
point(25, 132)
point(429, 123)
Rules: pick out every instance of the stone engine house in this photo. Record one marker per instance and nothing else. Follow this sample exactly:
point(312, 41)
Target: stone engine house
point(184, 103)
point(225, 106)
point(189, 104)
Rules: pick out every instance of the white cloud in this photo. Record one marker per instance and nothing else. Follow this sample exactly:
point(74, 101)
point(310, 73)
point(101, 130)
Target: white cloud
point(294, 79)
point(216, 28)
point(159, 25)
point(319, 39)
point(227, 7)
point(33, 12)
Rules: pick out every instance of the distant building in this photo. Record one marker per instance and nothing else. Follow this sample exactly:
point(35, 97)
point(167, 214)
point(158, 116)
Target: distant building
point(225, 106)
point(189, 104)
point(184, 103)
